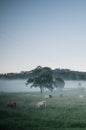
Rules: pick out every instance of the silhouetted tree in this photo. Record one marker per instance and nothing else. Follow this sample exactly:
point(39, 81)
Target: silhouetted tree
point(42, 78)
point(59, 83)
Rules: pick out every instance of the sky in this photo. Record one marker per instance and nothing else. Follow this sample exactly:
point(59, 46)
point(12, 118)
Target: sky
point(42, 32)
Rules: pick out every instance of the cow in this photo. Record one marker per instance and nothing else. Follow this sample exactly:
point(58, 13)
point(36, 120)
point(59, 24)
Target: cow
point(41, 104)
point(61, 95)
point(48, 96)
point(81, 96)
point(12, 104)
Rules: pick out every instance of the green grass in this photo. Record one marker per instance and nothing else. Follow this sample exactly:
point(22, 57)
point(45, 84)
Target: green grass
point(62, 113)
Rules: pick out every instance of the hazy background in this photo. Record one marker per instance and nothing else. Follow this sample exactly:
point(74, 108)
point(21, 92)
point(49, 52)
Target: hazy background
point(42, 32)
point(19, 86)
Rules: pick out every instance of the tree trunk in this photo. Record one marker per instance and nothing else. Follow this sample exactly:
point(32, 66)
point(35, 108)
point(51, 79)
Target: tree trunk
point(41, 89)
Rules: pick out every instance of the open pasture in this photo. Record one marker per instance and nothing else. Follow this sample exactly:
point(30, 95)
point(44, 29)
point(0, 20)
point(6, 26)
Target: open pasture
point(66, 112)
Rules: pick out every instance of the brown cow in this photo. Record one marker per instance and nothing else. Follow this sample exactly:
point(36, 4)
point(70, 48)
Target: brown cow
point(11, 104)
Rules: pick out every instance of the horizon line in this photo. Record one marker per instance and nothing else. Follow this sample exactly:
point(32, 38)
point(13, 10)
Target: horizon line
point(41, 66)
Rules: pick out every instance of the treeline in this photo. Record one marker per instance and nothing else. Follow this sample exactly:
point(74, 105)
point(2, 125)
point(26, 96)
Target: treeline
point(65, 74)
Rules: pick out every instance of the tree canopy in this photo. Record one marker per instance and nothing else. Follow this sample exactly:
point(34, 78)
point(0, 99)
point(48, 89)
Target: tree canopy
point(42, 78)
point(59, 83)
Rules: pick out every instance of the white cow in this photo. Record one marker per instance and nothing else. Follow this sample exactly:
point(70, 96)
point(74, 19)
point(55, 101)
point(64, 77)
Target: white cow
point(81, 96)
point(48, 96)
point(41, 104)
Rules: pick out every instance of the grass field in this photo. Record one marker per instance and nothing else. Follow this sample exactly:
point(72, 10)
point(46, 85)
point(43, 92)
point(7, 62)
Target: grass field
point(62, 113)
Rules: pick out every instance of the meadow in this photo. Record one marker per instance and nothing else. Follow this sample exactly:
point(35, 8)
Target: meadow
point(67, 112)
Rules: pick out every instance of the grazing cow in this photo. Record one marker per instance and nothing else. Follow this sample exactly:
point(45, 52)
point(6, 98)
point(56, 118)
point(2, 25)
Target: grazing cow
point(81, 96)
point(12, 104)
point(61, 95)
point(48, 96)
point(41, 104)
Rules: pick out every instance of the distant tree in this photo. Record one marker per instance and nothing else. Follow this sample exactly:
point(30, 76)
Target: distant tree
point(59, 83)
point(42, 78)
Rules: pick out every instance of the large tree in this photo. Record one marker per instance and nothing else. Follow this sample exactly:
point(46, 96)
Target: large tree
point(59, 83)
point(42, 78)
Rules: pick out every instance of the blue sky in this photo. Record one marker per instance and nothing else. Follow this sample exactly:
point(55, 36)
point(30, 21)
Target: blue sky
point(42, 32)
